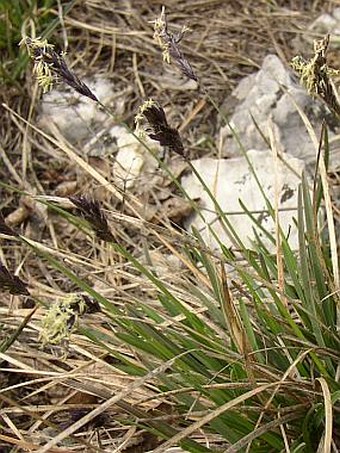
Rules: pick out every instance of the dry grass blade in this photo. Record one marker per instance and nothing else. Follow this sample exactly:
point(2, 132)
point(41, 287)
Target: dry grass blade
point(259, 431)
point(327, 440)
point(175, 440)
point(29, 446)
point(108, 403)
point(273, 139)
point(232, 317)
point(330, 220)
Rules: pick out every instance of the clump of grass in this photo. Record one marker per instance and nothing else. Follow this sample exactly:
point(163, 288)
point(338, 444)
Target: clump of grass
point(250, 359)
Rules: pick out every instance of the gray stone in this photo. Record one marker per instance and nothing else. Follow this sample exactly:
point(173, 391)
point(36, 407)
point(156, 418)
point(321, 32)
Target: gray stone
point(324, 23)
point(272, 93)
point(76, 116)
point(336, 14)
point(232, 181)
point(133, 159)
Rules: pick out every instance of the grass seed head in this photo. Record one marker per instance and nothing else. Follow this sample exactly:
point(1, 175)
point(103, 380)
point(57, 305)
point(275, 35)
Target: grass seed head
point(315, 74)
point(160, 35)
point(59, 322)
point(92, 212)
point(157, 127)
point(12, 283)
point(50, 67)
point(169, 44)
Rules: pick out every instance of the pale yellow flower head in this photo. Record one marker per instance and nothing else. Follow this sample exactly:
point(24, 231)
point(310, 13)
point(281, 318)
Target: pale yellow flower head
point(38, 48)
point(59, 322)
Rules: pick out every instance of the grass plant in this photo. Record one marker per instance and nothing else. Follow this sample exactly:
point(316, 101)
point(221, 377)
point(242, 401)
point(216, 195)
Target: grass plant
point(235, 350)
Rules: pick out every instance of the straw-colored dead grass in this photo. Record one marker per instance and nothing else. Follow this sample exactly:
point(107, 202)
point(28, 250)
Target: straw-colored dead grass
point(229, 40)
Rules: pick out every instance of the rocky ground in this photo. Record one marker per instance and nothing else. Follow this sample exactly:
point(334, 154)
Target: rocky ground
point(240, 51)
point(262, 108)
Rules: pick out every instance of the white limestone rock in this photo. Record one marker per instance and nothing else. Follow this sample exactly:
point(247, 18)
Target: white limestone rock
point(232, 181)
point(325, 23)
point(132, 159)
point(76, 116)
point(272, 93)
point(328, 23)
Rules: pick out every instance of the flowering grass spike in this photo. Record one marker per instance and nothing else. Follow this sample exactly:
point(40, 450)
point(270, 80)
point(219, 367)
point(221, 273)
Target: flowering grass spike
point(158, 128)
point(315, 75)
point(169, 43)
point(60, 319)
point(91, 211)
point(12, 283)
point(50, 67)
